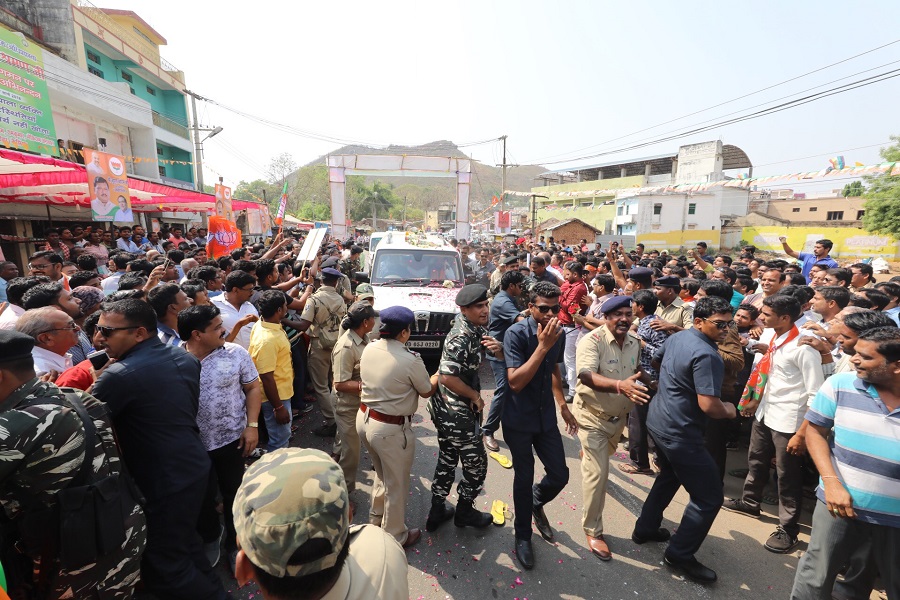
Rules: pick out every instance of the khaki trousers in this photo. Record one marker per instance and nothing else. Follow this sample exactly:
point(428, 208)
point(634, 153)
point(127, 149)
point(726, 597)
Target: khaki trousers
point(319, 367)
point(392, 449)
point(348, 438)
point(599, 439)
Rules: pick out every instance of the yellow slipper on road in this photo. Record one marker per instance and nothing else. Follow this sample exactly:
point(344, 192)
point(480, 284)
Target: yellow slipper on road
point(505, 462)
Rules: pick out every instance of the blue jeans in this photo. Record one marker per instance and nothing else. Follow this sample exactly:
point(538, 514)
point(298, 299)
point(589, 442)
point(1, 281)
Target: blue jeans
point(279, 435)
point(690, 465)
point(527, 494)
point(501, 391)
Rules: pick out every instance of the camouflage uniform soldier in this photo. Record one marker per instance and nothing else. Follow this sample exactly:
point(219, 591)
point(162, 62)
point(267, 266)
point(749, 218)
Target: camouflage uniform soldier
point(457, 413)
point(349, 266)
point(43, 448)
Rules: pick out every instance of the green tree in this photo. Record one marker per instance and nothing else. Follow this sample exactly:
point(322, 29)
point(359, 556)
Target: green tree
point(363, 200)
point(883, 197)
point(854, 188)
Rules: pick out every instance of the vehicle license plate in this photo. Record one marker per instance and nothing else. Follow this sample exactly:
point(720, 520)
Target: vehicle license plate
point(423, 344)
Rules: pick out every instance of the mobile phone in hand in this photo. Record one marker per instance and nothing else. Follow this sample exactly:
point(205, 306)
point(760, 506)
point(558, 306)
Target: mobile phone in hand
point(98, 359)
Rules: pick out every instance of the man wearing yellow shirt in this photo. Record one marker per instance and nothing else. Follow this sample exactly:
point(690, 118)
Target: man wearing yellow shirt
point(271, 353)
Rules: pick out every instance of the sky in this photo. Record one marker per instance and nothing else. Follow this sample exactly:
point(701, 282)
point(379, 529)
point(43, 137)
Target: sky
point(563, 80)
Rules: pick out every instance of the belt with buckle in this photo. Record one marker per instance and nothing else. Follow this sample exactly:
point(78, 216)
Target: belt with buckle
point(379, 416)
point(600, 414)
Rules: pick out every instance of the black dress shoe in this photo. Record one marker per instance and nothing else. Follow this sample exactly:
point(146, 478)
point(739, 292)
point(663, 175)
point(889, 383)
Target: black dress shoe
point(525, 554)
point(542, 524)
point(692, 569)
point(662, 534)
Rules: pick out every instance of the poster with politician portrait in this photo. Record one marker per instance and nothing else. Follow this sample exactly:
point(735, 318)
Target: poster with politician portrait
point(223, 202)
point(108, 187)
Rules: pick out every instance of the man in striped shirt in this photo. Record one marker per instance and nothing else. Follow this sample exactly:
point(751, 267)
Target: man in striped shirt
point(854, 439)
point(167, 301)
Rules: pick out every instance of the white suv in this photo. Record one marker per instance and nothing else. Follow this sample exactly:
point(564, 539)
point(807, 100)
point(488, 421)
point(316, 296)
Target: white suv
point(423, 273)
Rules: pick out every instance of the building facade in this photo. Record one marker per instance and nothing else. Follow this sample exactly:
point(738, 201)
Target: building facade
point(630, 198)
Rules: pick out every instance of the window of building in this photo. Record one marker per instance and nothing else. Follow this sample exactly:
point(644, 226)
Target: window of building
point(95, 71)
point(692, 209)
point(859, 214)
point(692, 226)
point(627, 209)
point(162, 171)
point(620, 210)
point(795, 209)
point(93, 57)
point(835, 215)
point(813, 208)
point(151, 91)
point(131, 89)
point(159, 151)
point(126, 76)
point(657, 209)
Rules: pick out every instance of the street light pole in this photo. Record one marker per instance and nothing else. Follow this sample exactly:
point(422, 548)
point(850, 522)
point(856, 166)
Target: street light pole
point(198, 143)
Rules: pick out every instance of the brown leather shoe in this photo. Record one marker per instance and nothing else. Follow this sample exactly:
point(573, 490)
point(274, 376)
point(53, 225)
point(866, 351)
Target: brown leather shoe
point(412, 536)
point(599, 548)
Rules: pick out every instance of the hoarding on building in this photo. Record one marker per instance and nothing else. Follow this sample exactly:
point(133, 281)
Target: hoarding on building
point(108, 187)
point(26, 120)
point(223, 202)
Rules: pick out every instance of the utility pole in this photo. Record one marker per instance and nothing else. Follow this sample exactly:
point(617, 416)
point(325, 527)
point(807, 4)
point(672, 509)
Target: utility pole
point(503, 174)
point(404, 211)
point(198, 143)
point(534, 198)
point(374, 214)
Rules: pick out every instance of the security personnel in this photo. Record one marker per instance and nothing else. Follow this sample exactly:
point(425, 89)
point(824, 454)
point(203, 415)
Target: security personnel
point(457, 412)
point(44, 448)
point(343, 286)
point(393, 379)
point(608, 367)
point(321, 317)
point(360, 320)
point(673, 314)
point(506, 264)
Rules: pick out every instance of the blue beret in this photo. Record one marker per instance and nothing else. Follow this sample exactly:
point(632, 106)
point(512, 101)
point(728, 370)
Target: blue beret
point(470, 294)
point(668, 281)
point(329, 262)
point(331, 273)
point(615, 303)
point(640, 273)
point(396, 317)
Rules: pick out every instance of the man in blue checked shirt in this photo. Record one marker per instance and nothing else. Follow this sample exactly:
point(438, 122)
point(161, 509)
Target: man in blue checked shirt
point(853, 433)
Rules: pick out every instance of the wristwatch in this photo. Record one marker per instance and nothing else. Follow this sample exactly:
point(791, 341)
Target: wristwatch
point(254, 424)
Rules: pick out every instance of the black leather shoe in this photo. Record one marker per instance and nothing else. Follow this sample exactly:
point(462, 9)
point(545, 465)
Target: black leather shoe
point(692, 569)
point(468, 516)
point(325, 431)
point(542, 524)
point(662, 534)
point(439, 514)
point(525, 554)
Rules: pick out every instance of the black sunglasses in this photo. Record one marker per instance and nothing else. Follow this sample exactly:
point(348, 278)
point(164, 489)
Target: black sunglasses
point(721, 325)
point(107, 331)
point(544, 309)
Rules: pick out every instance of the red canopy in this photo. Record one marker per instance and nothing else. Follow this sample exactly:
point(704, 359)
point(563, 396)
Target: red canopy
point(34, 179)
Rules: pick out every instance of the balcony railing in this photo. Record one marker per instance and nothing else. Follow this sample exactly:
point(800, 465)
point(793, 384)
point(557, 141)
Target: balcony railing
point(133, 40)
point(171, 126)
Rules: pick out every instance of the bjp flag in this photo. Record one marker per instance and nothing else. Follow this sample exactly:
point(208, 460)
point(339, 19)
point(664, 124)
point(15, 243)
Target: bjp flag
point(223, 237)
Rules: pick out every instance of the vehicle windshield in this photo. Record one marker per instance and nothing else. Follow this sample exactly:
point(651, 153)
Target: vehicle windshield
point(412, 267)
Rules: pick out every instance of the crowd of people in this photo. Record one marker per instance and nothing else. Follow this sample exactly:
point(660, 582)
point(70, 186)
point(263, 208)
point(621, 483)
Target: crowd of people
point(142, 377)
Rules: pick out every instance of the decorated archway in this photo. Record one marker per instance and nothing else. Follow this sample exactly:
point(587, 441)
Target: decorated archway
point(341, 165)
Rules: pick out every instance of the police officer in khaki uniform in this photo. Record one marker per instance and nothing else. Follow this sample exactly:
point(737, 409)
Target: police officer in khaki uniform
point(321, 318)
point(345, 357)
point(608, 366)
point(393, 379)
point(673, 314)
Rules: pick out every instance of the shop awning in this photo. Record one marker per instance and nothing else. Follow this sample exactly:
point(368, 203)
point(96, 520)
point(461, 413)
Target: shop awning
point(44, 180)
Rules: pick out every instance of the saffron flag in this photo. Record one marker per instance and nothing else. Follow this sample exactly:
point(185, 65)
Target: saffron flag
point(223, 237)
point(495, 200)
point(282, 206)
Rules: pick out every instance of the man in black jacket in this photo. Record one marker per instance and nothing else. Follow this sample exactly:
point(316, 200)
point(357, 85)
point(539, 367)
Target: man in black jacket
point(152, 391)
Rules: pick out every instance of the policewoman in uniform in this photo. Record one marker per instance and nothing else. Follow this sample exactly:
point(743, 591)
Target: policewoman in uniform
point(345, 357)
point(393, 379)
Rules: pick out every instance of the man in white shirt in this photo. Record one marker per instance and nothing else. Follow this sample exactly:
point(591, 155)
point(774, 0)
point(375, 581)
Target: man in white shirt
point(126, 243)
point(54, 334)
point(794, 374)
point(238, 315)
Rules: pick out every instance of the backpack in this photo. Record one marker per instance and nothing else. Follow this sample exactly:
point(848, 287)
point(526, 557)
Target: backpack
point(89, 518)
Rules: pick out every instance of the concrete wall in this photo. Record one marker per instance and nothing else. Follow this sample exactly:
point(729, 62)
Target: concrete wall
point(848, 242)
point(54, 18)
point(800, 210)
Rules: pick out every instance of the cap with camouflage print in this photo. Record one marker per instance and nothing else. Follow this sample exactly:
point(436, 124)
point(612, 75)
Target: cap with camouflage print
point(287, 498)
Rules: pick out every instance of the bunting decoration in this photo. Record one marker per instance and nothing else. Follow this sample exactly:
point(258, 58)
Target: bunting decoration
point(743, 181)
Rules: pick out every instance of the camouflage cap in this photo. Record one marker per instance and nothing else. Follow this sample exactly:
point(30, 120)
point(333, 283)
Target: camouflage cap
point(287, 498)
point(365, 290)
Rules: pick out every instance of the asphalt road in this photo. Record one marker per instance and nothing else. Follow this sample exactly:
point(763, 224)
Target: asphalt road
point(469, 563)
